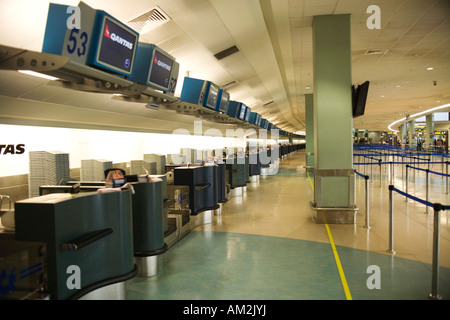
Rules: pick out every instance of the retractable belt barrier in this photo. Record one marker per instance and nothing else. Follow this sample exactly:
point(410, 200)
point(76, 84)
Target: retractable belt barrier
point(437, 207)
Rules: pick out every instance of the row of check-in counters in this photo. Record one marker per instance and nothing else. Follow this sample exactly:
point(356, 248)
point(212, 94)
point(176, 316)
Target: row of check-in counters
point(81, 240)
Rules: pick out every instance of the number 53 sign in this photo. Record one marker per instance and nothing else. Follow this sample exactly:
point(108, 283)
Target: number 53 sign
point(66, 39)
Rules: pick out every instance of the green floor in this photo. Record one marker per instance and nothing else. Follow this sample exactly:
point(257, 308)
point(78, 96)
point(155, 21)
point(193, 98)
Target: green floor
point(209, 265)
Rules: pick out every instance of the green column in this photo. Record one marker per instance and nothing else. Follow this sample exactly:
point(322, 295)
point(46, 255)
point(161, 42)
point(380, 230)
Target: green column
point(429, 130)
point(309, 115)
point(403, 135)
point(333, 122)
point(411, 131)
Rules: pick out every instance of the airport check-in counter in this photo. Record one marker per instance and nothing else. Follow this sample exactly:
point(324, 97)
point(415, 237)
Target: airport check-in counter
point(180, 211)
point(222, 188)
point(88, 239)
point(148, 231)
point(237, 171)
point(254, 164)
point(202, 182)
point(22, 268)
point(23, 273)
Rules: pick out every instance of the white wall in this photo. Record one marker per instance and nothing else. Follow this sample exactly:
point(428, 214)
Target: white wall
point(81, 144)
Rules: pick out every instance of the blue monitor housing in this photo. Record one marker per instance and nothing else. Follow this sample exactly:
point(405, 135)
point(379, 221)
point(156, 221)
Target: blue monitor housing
point(155, 67)
point(242, 111)
point(258, 120)
point(114, 45)
point(200, 92)
point(247, 114)
point(233, 109)
point(252, 118)
point(264, 123)
point(223, 100)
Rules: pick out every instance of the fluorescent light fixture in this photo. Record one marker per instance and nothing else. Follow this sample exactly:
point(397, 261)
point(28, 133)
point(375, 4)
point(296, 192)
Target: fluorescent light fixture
point(417, 115)
point(37, 74)
point(430, 68)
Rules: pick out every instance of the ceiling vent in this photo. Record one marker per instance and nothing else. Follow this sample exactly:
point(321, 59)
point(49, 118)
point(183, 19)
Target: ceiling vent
point(229, 85)
point(227, 52)
point(376, 52)
point(149, 20)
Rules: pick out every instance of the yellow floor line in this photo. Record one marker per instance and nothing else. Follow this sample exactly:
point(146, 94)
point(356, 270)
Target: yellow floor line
point(336, 256)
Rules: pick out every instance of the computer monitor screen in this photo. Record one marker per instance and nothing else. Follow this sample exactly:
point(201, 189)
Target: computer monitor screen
point(359, 99)
point(211, 96)
point(242, 112)
point(117, 46)
point(161, 69)
point(224, 101)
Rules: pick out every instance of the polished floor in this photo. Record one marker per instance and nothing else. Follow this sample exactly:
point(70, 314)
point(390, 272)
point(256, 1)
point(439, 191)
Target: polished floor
point(266, 245)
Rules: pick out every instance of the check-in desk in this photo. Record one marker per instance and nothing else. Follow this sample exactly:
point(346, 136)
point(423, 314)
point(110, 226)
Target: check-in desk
point(88, 239)
point(180, 211)
point(237, 171)
point(148, 231)
point(203, 193)
point(254, 164)
point(222, 190)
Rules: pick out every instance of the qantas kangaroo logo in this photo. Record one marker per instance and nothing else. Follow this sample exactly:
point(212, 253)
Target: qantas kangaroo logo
point(107, 33)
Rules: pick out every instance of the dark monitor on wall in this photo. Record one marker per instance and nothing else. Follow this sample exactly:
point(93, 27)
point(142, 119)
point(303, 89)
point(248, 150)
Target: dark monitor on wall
point(359, 98)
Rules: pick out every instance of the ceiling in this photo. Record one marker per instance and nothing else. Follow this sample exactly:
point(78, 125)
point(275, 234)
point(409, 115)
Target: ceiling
point(271, 72)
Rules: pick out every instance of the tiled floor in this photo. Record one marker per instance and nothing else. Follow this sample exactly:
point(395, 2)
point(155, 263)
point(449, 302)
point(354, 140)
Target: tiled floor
point(266, 246)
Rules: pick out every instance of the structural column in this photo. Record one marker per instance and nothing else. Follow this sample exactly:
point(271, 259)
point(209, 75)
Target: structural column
point(411, 132)
point(333, 148)
point(309, 115)
point(403, 135)
point(429, 130)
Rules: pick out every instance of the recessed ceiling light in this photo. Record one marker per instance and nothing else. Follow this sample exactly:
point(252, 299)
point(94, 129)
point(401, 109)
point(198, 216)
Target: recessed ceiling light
point(430, 68)
point(397, 86)
point(307, 88)
point(38, 74)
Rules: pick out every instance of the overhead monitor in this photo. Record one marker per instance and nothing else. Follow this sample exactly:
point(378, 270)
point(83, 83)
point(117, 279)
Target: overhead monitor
point(161, 69)
point(115, 45)
point(212, 93)
point(242, 111)
point(233, 109)
point(100, 41)
point(223, 100)
point(359, 97)
point(201, 92)
point(155, 67)
point(247, 114)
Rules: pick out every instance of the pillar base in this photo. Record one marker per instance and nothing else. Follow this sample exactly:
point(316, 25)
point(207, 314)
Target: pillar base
point(338, 215)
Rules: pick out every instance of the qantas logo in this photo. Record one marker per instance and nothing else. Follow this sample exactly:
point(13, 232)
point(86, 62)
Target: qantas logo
point(162, 64)
point(117, 39)
point(107, 33)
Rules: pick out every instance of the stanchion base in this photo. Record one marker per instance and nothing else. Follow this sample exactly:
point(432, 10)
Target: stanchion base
point(391, 252)
point(367, 227)
point(434, 297)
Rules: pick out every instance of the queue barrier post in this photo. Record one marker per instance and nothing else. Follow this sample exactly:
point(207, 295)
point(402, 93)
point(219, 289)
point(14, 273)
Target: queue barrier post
point(437, 207)
point(367, 202)
point(391, 220)
point(427, 191)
